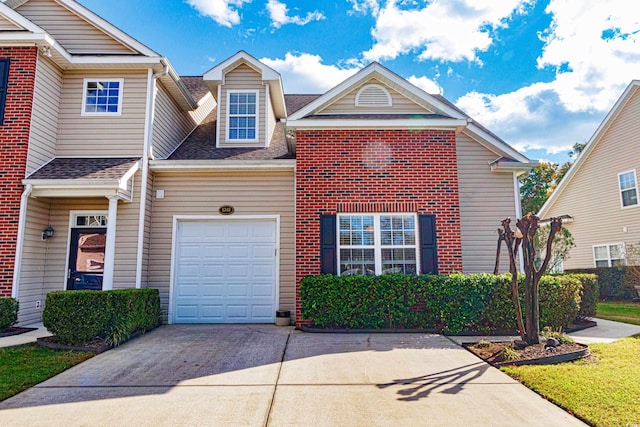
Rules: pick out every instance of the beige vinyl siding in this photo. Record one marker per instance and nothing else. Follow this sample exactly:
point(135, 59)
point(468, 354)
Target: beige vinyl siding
point(271, 120)
point(265, 193)
point(242, 78)
point(6, 25)
point(33, 286)
point(71, 31)
point(486, 198)
point(205, 106)
point(171, 124)
point(127, 239)
point(44, 123)
point(108, 136)
point(399, 103)
point(592, 197)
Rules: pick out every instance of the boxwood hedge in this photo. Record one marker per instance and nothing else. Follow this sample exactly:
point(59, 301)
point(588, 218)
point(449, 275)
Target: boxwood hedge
point(78, 317)
point(453, 303)
point(8, 313)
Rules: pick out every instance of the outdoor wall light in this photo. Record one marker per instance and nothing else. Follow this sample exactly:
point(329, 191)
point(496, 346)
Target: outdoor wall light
point(48, 232)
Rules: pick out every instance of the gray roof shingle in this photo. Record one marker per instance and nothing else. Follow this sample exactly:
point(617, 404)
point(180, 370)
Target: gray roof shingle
point(85, 168)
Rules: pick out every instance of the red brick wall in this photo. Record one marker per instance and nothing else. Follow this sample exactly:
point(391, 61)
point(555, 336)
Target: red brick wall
point(375, 171)
point(14, 140)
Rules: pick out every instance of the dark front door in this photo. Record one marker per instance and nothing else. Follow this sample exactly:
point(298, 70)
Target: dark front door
point(86, 258)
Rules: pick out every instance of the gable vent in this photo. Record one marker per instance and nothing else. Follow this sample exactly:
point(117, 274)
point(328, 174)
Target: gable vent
point(373, 95)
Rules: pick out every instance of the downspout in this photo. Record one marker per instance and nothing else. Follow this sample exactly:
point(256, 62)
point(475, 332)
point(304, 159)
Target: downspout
point(148, 140)
point(22, 221)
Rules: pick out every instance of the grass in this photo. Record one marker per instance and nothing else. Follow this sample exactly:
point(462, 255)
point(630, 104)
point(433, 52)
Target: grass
point(627, 312)
point(26, 365)
point(602, 390)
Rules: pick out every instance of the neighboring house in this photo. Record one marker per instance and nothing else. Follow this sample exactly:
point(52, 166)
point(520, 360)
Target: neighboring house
point(223, 192)
point(600, 191)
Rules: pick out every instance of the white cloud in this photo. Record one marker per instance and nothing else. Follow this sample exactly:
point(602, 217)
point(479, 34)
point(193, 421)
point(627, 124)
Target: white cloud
point(364, 6)
point(426, 84)
point(305, 73)
point(595, 52)
point(445, 30)
point(278, 13)
point(224, 12)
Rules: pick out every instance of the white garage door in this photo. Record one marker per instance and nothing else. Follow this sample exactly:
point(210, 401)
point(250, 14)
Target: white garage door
point(225, 271)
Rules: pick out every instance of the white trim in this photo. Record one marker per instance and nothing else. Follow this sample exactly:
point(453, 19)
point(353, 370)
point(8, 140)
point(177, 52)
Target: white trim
point(218, 127)
point(217, 73)
point(377, 245)
point(86, 81)
point(72, 224)
point(221, 165)
point(389, 102)
point(608, 246)
point(620, 190)
point(266, 116)
point(238, 142)
point(110, 245)
point(314, 123)
point(189, 218)
point(22, 221)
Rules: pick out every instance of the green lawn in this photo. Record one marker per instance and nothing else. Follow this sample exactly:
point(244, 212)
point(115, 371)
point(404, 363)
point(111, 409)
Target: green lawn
point(627, 312)
point(24, 366)
point(602, 390)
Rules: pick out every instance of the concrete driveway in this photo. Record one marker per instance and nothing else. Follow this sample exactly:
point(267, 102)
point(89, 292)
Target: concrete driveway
point(253, 375)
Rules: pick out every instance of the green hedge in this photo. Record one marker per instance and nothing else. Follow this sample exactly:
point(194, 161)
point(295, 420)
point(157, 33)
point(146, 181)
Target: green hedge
point(615, 283)
point(78, 317)
point(8, 313)
point(454, 303)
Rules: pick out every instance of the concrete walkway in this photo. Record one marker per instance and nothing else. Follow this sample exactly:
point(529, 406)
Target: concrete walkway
point(253, 375)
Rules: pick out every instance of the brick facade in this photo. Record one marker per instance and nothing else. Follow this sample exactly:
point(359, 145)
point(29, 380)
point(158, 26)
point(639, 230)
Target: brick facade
point(375, 171)
point(14, 141)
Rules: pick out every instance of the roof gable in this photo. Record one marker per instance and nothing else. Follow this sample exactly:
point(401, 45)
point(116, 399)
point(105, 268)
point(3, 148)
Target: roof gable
point(8, 25)
point(621, 104)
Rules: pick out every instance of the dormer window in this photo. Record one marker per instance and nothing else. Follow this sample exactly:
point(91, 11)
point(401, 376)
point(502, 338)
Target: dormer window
point(102, 97)
point(373, 95)
point(242, 116)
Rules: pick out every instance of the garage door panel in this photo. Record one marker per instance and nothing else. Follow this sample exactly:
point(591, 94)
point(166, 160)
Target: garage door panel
point(225, 271)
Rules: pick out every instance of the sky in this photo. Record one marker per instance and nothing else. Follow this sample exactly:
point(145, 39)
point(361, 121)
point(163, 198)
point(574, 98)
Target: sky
point(541, 74)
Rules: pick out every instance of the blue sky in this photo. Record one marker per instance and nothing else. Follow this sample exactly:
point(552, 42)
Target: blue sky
point(540, 74)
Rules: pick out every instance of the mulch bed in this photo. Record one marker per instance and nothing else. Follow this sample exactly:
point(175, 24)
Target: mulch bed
point(531, 355)
point(14, 330)
point(97, 346)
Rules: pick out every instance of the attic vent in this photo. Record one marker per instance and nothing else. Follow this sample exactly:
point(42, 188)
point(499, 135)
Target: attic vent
point(373, 95)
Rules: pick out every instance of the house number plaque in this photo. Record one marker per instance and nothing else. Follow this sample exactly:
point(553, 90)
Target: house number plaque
point(226, 210)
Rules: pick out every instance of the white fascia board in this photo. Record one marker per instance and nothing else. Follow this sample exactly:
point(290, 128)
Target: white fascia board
point(365, 73)
point(502, 147)
point(107, 27)
point(220, 165)
point(217, 73)
point(510, 166)
point(377, 124)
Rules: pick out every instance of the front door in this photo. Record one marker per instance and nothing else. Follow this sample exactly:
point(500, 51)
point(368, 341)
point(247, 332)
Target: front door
point(86, 258)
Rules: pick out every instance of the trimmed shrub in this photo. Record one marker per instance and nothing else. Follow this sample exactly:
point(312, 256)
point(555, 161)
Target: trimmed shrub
point(615, 283)
point(8, 313)
point(454, 303)
point(589, 296)
point(78, 317)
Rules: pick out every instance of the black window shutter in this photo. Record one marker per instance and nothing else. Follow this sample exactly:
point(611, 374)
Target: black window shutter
point(428, 253)
point(328, 247)
point(4, 82)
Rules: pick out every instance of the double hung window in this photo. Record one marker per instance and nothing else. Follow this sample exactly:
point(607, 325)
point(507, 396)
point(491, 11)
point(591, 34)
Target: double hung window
point(242, 116)
point(628, 188)
point(611, 255)
point(372, 244)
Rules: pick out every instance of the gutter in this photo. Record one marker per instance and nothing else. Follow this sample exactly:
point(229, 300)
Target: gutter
point(20, 240)
point(148, 140)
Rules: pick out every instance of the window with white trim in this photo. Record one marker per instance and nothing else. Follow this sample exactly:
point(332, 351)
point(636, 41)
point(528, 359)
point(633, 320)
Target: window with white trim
point(102, 97)
point(609, 255)
point(242, 116)
point(628, 188)
point(372, 244)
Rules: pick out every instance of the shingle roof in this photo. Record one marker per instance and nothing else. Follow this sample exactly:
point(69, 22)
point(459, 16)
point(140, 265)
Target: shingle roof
point(365, 116)
point(196, 86)
point(201, 145)
point(295, 102)
point(85, 168)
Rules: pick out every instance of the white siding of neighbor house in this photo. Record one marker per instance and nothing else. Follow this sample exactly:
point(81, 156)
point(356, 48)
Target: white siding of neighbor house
point(6, 25)
point(71, 31)
point(399, 103)
point(242, 78)
point(98, 136)
point(592, 197)
point(44, 262)
point(171, 124)
point(486, 198)
point(264, 193)
point(44, 123)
